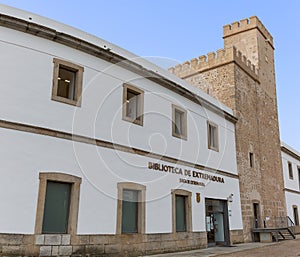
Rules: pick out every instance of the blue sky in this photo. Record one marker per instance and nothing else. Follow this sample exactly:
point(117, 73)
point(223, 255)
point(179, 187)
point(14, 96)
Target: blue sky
point(182, 30)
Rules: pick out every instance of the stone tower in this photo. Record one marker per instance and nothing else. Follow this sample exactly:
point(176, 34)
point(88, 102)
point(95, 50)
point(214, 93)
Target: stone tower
point(242, 76)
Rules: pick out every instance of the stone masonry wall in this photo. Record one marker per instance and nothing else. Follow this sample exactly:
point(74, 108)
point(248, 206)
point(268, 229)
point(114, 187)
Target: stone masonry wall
point(99, 245)
point(253, 39)
point(251, 92)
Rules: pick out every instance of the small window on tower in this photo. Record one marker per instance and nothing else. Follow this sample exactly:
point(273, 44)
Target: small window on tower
point(251, 160)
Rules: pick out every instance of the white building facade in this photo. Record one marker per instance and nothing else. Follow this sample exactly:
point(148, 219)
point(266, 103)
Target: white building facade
point(291, 172)
point(105, 153)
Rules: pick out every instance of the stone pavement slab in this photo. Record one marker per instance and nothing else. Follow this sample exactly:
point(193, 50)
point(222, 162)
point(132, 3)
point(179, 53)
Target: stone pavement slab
point(288, 248)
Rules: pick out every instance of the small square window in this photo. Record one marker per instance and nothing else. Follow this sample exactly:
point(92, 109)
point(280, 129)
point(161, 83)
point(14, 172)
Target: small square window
point(213, 138)
point(179, 122)
point(67, 82)
point(290, 167)
point(133, 104)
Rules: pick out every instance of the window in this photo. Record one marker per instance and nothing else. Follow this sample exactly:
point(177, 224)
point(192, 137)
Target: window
point(130, 211)
point(213, 137)
point(296, 217)
point(251, 160)
point(56, 210)
point(58, 201)
point(131, 208)
point(181, 210)
point(179, 122)
point(67, 82)
point(133, 104)
point(180, 203)
point(290, 167)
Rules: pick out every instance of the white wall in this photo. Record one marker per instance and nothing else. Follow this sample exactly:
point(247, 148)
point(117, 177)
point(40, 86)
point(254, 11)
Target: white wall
point(292, 199)
point(292, 184)
point(25, 155)
point(27, 84)
point(293, 196)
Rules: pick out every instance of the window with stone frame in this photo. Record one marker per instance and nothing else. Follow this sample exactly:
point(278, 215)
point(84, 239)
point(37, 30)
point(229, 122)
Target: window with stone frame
point(181, 211)
point(131, 208)
point(213, 136)
point(179, 122)
point(133, 104)
point(58, 203)
point(67, 82)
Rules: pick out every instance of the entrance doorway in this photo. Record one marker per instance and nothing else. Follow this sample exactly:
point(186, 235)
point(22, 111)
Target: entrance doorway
point(256, 215)
point(217, 224)
point(257, 221)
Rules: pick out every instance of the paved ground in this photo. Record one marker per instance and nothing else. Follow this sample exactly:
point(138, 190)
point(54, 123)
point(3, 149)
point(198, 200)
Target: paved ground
point(288, 248)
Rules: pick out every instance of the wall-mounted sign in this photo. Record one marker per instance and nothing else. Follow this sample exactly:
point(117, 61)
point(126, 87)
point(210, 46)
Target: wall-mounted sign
point(185, 172)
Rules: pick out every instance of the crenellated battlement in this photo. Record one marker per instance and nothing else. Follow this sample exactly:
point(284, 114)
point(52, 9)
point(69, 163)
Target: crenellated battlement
point(247, 24)
point(213, 60)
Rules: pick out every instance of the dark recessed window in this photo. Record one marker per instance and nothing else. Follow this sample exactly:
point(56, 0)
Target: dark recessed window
point(56, 210)
point(251, 160)
point(133, 104)
point(180, 202)
point(130, 211)
point(213, 138)
point(290, 168)
point(179, 122)
point(67, 82)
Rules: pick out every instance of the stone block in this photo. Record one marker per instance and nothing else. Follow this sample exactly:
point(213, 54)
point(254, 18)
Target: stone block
point(133, 249)
point(11, 250)
point(39, 239)
point(169, 237)
point(78, 250)
point(52, 239)
point(183, 235)
point(45, 251)
point(80, 240)
point(168, 245)
point(152, 246)
point(153, 238)
point(112, 240)
point(65, 250)
point(131, 238)
point(99, 240)
point(28, 240)
point(182, 244)
point(94, 249)
point(112, 248)
point(29, 250)
point(11, 239)
point(65, 239)
point(54, 251)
